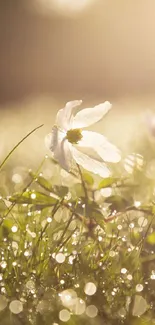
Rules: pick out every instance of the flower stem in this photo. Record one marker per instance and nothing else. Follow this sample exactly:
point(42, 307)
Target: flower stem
point(18, 144)
point(83, 183)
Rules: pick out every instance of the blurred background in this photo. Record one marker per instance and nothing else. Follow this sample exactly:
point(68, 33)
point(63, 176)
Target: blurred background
point(53, 51)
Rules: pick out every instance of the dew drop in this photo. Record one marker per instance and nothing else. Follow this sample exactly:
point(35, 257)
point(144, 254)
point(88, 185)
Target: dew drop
point(91, 311)
point(68, 297)
point(33, 234)
point(16, 178)
point(3, 264)
point(33, 196)
point(129, 277)
point(26, 253)
point(60, 258)
point(112, 253)
point(123, 271)
point(137, 204)
point(90, 289)
point(131, 225)
point(43, 306)
point(49, 219)
point(122, 312)
point(14, 263)
point(62, 281)
point(78, 307)
point(30, 285)
point(16, 307)
point(139, 287)
point(64, 315)
point(14, 229)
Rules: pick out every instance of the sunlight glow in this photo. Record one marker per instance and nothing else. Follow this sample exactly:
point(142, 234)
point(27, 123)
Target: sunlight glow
point(65, 6)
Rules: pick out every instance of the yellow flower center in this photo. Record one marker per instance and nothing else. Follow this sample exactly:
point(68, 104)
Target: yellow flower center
point(74, 135)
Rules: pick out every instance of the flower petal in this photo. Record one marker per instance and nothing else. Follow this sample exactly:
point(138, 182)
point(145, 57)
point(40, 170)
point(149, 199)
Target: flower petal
point(109, 152)
point(64, 115)
point(51, 139)
point(63, 154)
point(96, 141)
point(60, 147)
point(89, 116)
point(90, 164)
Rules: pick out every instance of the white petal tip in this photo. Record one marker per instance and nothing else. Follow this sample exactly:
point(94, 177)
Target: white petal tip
point(74, 103)
point(117, 157)
point(108, 105)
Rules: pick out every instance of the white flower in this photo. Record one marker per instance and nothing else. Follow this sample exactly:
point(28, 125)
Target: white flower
point(68, 139)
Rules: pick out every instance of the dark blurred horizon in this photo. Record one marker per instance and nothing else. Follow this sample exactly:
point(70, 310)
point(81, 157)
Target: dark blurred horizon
point(106, 51)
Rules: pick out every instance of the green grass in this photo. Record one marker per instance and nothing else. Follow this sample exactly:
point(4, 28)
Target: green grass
point(59, 232)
